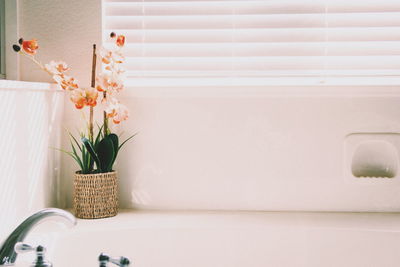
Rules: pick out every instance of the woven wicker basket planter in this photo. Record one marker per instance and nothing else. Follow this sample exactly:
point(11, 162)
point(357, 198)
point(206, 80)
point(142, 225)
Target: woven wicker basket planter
point(95, 195)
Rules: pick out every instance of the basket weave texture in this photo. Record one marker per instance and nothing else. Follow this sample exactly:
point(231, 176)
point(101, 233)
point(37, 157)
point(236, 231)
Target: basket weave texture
point(95, 195)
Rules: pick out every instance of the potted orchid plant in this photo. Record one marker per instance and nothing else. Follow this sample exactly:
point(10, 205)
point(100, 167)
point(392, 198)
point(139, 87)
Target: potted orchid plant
point(95, 184)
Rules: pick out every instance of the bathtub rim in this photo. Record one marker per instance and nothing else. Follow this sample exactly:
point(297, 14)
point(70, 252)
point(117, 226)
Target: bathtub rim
point(28, 86)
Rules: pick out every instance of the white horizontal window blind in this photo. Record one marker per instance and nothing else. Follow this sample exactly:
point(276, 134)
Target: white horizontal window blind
point(255, 42)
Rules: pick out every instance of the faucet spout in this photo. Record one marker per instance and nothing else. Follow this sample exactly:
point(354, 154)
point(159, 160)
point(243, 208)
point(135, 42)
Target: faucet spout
point(7, 253)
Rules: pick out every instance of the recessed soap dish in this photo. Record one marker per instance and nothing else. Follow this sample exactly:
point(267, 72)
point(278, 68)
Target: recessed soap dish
point(374, 159)
point(372, 155)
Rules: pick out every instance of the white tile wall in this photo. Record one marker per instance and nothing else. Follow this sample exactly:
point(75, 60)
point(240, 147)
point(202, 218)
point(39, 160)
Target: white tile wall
point(251, 152)
point(31, 115)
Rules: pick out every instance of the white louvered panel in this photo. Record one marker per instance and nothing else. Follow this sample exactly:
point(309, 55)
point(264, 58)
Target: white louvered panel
point(384, 19)
point(231, 82)
point(387, 19)
point(224, 35)
point(263, 49)
point(134, 8)
point(268, 73)
point(211, 8)
point(258, 38)
point(168, 8)
point(363, 6)
point(362, 34)
point(224, 21)
point(362, 62)
point(263, 63)
point(262, 35)
point(223, 63)
point(224, 49)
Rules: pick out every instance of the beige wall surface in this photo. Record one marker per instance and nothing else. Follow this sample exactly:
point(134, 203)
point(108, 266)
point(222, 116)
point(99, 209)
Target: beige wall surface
point(65, 30)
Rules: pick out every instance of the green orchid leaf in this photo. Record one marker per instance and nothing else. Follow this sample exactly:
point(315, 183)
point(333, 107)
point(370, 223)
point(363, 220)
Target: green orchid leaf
point(114, 139)
point(129, 138)
point(71, 155)
point(76, 157)
point(99, 136)
point(105, 152)
point(92, 152)
point(76, 141)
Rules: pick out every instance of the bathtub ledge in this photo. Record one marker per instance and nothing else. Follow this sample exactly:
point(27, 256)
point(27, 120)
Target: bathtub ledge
point(128, 219)
point(28, 86)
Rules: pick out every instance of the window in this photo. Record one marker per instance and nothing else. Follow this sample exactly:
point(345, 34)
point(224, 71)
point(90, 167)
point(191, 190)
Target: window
point(2, 40)
point(258, 42)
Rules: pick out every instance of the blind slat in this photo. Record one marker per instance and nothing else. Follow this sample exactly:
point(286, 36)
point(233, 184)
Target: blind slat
point(169, 8)
point(388, 19)
point(267, 73)
point(263, 63)
point(263, 49)
point(334, 34)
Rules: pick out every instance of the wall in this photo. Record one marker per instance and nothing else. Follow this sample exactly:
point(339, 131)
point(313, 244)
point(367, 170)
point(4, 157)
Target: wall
point(258, 148)
point(65, 30)
point(30, 167)
point(263, 151)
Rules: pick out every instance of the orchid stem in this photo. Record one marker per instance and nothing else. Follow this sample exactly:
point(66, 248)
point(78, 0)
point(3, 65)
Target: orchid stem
point(93, 83)
point(35, 61)
point(91, 125)
point(105, 119)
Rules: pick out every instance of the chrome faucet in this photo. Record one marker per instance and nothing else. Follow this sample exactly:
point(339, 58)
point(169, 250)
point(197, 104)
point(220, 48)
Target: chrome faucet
point(40, 260)
point(7, 252)
point(104, 259)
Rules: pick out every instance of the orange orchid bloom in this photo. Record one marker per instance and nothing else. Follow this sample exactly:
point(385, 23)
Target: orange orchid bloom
point(91, 96)
point(120, 40)
point(109, 82)
point(106, 56)
point(56, 67)
point(84, 97)
point(117, 111)
point(30, 46)
point(66, 82)
point(122, 114)
point(109, 56)
point(102, 82)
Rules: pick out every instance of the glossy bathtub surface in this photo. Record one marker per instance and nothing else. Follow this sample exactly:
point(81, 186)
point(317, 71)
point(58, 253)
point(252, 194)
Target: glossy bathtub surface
point(234, 239)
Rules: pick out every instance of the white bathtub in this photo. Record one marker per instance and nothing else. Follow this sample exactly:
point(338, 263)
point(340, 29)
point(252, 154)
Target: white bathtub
point(230, 239)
